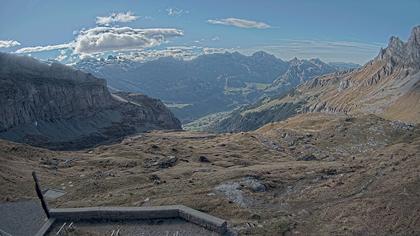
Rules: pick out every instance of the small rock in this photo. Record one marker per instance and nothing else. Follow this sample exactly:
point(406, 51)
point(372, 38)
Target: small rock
point(309, 157)
point(330, 171)
point(155, 178)
point(168, 162)
point(203, 159)
point(255, 217)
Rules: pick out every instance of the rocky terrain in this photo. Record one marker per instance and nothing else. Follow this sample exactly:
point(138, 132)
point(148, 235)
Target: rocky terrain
point(58, 107)
point(313, 174)
point(387, 86)
point(209, 83)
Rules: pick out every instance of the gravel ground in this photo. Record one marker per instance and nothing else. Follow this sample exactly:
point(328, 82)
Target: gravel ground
point(21, 218)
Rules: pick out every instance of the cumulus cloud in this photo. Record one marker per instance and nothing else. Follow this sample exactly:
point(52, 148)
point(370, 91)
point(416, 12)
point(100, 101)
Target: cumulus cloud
point(102, 39)
point(44, 48)
point(176, 12)
point(105, 39)
point(115, 18)
point(8, 43)
point(241, 23)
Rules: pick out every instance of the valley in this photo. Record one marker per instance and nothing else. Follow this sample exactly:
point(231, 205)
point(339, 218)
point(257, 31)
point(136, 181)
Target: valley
point(209, 83)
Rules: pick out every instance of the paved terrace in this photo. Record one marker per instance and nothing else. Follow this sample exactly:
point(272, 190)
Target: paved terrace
point(161, 220)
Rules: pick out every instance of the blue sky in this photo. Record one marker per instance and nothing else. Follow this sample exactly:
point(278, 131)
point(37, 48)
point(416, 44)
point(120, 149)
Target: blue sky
point(349, 31)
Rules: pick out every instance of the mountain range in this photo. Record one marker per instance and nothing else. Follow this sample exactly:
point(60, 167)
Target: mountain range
point(387, 86)
point(209, 83)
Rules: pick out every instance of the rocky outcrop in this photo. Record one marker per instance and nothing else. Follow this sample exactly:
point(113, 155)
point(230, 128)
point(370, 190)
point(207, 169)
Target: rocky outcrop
point(156, 110)
point(387, 86)
point(299, 72)
point(59, 107)
point(399, 53)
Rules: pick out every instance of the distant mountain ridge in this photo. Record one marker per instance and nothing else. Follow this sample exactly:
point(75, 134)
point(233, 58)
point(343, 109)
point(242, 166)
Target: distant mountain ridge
point(299, 71)
point(209, 83)
point(387, 86)
point(58, 107)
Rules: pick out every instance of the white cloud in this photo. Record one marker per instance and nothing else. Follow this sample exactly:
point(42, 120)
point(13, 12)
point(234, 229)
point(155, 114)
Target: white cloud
point(208, 50)
point(103, 39)
point(241, 23)
point(215, 38)
point(176, 12)
point(115, 18)
point(63, 56)
point(8, 43)
point(179, 52)
point(146, 55)
point(106, 39)
point(44, 48)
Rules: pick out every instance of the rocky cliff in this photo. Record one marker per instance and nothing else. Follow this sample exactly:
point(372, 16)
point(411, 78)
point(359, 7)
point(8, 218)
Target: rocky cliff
point(387, 86)
point(59, 107)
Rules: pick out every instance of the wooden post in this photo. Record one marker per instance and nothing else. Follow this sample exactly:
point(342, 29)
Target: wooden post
point(40, 196)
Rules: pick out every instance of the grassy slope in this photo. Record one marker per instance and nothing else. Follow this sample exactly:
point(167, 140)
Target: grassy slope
point(365, 179)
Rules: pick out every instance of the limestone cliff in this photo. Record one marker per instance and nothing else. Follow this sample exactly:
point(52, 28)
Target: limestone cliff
point(59, 107)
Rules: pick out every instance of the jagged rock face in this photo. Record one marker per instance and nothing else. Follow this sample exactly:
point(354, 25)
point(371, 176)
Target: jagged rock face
point(157, 111)
point(299, 72)
point(400, 53)
point(387, 86)
point(25, 99)
point(58, 107)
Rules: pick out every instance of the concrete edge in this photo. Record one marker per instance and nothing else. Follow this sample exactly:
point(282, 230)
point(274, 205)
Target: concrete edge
point(46, 227)
point(205, 220)
point(132, 213)
point(115, 213)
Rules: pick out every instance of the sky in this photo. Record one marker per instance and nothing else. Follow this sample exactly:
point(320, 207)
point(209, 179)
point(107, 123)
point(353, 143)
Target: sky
point(332, 30)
